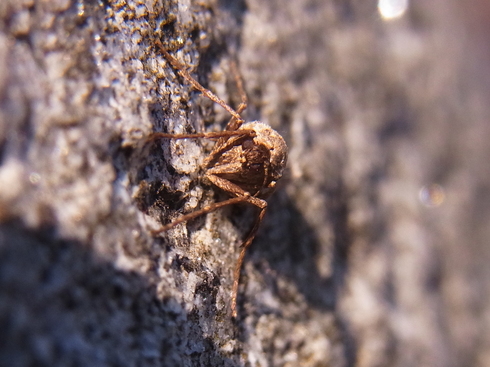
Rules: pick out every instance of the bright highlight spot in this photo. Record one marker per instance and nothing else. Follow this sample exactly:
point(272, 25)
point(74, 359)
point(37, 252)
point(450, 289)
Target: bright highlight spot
point(390, 9)
point(34, 178)
point(432, 195)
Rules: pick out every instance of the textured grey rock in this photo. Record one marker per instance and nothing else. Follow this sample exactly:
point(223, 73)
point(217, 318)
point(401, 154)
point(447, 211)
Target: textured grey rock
point(354, 264)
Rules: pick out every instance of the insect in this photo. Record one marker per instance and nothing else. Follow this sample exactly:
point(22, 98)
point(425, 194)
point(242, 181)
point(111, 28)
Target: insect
point(246, 162)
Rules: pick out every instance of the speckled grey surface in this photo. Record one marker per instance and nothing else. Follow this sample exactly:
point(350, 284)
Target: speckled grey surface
point(352, 266)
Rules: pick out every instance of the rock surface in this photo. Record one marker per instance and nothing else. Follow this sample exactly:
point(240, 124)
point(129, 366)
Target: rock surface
point(374, 250)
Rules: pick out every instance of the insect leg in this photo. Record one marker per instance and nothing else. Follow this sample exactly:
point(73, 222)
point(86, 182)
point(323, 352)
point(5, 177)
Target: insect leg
point(208, 135)
point(238, 267)
point(197, 213)
point(262, 205)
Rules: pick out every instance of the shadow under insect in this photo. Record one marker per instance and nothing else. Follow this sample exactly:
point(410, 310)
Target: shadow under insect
point(287, 247)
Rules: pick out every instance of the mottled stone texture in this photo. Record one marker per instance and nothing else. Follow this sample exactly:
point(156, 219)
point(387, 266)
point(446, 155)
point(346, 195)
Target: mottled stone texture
point(350, 267)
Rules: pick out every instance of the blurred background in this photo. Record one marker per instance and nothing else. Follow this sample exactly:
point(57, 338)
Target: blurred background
point(375, 248)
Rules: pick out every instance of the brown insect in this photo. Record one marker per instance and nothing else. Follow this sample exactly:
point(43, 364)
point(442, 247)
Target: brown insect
point(246, 162)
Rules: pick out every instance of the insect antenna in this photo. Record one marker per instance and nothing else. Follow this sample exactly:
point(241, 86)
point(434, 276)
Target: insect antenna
point(181, 70)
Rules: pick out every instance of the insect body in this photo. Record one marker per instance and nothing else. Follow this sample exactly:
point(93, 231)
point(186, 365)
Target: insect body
point(246, 162)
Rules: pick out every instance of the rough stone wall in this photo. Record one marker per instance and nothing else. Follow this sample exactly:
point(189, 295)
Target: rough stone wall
point(374, 250)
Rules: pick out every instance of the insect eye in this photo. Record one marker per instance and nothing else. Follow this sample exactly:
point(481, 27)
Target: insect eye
point(247, 144)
